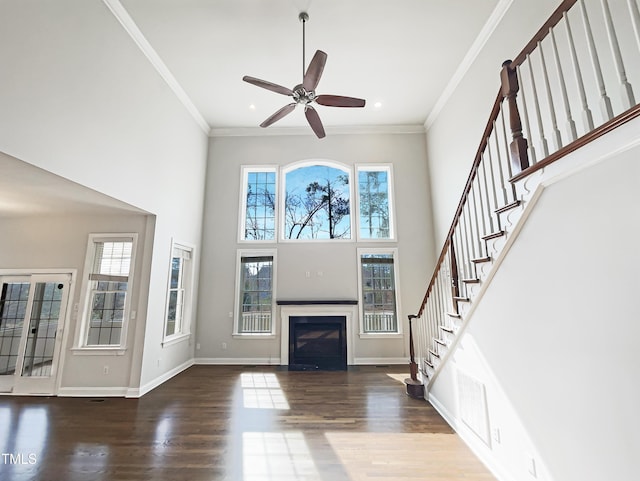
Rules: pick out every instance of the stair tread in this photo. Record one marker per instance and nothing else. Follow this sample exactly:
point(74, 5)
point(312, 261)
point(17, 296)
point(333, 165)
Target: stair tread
point(481, 259)
point(493, 235)
point(507, 207)
point(447, 329)
point(440, 341)
point(461, 299)
point(453, 314)
point(471, 281)
point(433, 353)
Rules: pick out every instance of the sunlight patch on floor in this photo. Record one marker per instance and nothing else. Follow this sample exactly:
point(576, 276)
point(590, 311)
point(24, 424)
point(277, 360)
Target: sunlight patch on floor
point(390, 456)
point(398, 377)
point(262, 391)
point(277, 457)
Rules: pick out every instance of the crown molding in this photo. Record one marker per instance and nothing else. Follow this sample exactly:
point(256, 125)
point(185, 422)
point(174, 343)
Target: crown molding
point(337, 130)
point(489, 27)
point(121, 14)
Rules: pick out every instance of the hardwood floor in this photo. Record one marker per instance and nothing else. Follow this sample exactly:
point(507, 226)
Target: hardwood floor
point(238, 424)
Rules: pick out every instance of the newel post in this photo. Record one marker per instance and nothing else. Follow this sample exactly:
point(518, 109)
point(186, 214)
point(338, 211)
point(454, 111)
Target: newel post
point(415, 388)
point(518, 146)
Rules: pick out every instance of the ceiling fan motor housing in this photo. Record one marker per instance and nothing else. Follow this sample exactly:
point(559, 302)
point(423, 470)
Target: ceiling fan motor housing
point(302, 96)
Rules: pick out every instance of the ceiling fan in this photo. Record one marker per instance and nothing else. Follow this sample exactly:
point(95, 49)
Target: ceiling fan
point(305, 93)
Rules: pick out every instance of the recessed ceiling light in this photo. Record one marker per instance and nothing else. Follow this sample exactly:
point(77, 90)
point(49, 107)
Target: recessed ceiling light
point(252, 107)
point(377, 105)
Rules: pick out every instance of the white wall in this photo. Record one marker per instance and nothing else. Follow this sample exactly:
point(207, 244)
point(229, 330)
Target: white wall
point(554, 338)
point(337, 261)
point(79, 99)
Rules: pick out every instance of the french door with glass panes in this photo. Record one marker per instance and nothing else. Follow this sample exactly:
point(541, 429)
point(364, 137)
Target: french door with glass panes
point(32, 314)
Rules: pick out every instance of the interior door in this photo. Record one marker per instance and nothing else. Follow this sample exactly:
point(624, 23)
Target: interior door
point(32, 315)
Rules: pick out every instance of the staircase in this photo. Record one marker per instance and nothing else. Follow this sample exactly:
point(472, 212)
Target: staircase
point(572, 84)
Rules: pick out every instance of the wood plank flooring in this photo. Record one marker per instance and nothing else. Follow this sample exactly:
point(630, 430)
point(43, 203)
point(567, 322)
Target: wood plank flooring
point(234, 423)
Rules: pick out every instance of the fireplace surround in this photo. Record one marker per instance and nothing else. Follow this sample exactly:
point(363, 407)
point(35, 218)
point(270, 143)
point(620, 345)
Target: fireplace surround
point(317, 334)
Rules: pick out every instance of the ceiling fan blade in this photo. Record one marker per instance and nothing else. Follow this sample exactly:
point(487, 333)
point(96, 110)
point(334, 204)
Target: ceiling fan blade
point(268, 85)
point(314, 121)
point(339, 101)
point(314, 71)
point(287, 109)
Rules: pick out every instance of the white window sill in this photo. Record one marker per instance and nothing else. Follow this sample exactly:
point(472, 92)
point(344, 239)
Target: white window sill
point(381, 335)
point(170, 341)
point(98, 351)
point(253, 336)
point(391, 240)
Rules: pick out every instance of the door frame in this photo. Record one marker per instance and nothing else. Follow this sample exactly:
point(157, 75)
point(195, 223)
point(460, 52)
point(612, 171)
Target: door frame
point(62, 333)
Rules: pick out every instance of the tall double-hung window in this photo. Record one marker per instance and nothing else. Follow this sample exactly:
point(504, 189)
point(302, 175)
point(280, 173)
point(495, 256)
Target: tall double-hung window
point(378, 300)
point(258, 216)
point(179, 292)
point(374, 202)
point(255, 293)
point(110, 270)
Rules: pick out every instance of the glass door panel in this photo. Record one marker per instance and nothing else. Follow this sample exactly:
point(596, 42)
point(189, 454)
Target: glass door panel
point(32, 314)
point(13, 308)
point(41, 335)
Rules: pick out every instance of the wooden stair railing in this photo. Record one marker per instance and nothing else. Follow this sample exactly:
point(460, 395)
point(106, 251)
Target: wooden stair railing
point(514, 145)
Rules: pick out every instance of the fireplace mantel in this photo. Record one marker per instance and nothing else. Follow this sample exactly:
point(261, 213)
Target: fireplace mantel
point(317, 302)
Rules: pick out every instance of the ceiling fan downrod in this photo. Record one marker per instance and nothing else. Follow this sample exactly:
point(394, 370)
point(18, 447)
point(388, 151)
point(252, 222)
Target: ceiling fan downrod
point(303, 17)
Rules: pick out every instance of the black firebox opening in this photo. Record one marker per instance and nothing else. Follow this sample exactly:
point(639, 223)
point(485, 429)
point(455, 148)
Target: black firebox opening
point(318, 343)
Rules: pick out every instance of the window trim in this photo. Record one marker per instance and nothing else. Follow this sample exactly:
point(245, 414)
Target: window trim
point(188, 276)
point(396, 277)
point(386, 167)
point(242, 215)
point(285, 169)
point(236, 310)
point(85, 295)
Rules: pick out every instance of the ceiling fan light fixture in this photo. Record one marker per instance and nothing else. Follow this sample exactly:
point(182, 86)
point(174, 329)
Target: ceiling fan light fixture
point(304, 93)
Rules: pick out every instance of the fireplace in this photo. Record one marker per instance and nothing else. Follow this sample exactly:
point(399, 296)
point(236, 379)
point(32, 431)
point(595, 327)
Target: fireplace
point(318, 343)
point(317, 334)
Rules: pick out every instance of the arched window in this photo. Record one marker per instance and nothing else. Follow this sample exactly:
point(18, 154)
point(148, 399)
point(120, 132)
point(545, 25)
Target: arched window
point(317, 201)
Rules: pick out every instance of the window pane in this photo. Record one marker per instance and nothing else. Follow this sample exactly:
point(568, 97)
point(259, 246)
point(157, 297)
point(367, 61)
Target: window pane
point(260, 206)
point(176, 265)
point(317, 203)
point(256, 296)
point(171, 313)
point(112, 258)
point(373, 189)
point(378, 293)
point(107, 313)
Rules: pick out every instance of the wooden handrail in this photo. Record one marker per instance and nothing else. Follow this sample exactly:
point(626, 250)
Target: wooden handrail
point(467, 188)
point(553, 20)
point(612, 124)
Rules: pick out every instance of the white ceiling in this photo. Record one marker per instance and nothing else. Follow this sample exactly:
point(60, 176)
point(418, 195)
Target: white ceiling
point(402, 54)
point(399, 53)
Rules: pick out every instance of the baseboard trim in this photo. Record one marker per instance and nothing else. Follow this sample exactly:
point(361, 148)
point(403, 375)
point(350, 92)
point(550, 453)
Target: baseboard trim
point(233, 361)
point(154, 383)
point(481, 450)
point(237, 361)
point(367, 361)
point(92, 391)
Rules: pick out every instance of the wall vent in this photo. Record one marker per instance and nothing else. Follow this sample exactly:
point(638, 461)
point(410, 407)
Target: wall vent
point(472, 403)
